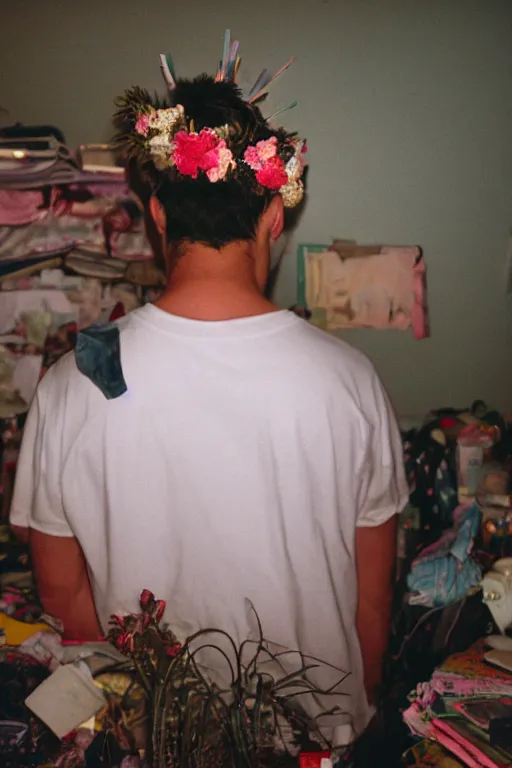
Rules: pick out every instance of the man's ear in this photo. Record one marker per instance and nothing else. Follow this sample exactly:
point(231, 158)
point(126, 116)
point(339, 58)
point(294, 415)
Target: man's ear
point(157, 214)
point(275, 217)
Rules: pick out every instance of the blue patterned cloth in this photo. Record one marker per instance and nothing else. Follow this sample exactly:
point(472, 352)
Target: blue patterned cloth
point(444, 572)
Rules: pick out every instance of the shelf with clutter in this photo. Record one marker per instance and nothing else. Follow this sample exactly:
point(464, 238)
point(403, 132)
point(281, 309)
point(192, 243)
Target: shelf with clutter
point(453, 602)
point(73, 251)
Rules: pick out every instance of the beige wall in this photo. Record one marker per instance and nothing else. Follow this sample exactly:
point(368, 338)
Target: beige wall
point(407, 106)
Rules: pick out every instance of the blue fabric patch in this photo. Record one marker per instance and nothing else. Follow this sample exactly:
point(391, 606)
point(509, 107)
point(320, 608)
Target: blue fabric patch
point(98, 356)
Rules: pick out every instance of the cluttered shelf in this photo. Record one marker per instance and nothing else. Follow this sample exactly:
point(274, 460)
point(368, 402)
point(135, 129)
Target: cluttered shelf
point(73, 252)
point(453, 597)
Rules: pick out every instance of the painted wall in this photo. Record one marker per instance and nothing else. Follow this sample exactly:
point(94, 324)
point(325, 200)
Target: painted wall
point(407, 106)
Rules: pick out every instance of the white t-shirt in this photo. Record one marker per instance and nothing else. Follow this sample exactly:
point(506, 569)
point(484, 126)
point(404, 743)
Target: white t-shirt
point(234, 471)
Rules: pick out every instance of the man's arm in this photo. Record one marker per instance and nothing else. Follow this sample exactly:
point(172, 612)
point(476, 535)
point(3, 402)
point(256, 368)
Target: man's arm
point(21, 533)
point(376, 561)
point(63, 584)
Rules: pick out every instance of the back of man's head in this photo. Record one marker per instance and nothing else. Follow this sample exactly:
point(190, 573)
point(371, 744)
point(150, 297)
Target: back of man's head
point(211, 159)
point(217, 214)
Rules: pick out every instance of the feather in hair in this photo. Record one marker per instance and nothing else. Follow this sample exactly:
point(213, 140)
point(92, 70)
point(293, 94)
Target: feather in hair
point(233, 58)
point(279, 72)
point(260, 82)
point(225, 54)
point(168, 72)
point(280, 111)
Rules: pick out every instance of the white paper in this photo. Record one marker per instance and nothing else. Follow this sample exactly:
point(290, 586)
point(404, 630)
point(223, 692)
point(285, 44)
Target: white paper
point(65, 700)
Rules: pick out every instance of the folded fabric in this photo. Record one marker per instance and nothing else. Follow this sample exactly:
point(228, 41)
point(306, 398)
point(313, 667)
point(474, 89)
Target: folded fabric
point(428, 753)
point(88, 225)
point(46, 237)
point(15, 303)
point(21, 207)
point(115, 187)
point(92, 265)
point(14, 270)
point(17, 632)
point(457, 738)
point(145, 273)
point(455, 685)
point(34, 174)
point(444, 572)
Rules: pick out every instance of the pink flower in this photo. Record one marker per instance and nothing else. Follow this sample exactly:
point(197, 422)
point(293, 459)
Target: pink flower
point(196, 151)
point(257, 156)
point(225, 162)
point(173, 650)
point(267, 148)
point(160, 609)
point(123, 642)
point(252, 158)
point(146, 599)
point(143, 123)
point(273, 174)
point(119, 622)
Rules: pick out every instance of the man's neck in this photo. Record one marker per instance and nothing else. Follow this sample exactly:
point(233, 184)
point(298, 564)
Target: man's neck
point(214, 301)
point(210, 285)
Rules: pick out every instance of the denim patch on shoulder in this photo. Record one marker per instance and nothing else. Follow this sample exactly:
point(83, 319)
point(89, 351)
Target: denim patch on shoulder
point(98, 356)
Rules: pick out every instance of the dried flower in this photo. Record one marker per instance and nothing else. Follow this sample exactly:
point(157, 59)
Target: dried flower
point(173, 143)
point(143, 124)
point(159, 611)
point(161, 148)
point(257, 156)
point(195, 151)
point(168, 120)
point(224, 163)
point(272, 174)
point(292, 193)
point(250, 722)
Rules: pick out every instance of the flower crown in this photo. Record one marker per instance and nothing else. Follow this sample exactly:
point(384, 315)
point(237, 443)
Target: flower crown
point(170, 140)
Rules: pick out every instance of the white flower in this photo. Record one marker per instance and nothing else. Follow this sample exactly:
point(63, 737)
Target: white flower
point(168, 120)
point(292, 193)
point(222, 131)
point(161, 148)
point(295, 165)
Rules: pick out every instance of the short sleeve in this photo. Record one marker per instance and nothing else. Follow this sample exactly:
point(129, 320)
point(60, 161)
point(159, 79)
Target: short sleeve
point(383, 488)
point(37, 496)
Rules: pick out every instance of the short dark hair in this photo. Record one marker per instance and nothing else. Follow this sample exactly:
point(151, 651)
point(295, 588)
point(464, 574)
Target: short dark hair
point(141, 185)
point(197, 210)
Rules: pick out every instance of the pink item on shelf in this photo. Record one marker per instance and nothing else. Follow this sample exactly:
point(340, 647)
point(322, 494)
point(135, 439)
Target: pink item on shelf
point(17, 208)
point(452, 746)
point(445, 683)
point(465, 748)
point(20, 207)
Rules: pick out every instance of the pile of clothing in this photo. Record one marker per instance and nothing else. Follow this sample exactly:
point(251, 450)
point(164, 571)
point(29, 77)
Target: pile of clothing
point(30, 651)
point(73, 252)
point(445, 571)
point(463, 714)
